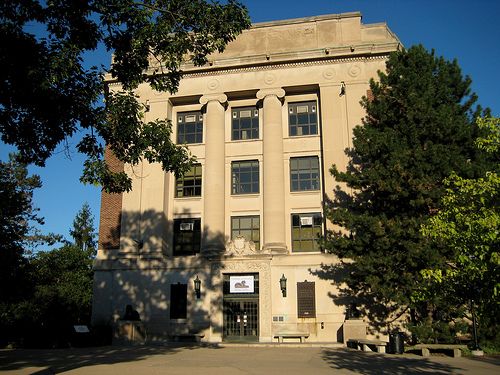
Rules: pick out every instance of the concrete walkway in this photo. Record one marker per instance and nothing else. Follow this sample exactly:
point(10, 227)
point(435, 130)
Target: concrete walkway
point(233, 360)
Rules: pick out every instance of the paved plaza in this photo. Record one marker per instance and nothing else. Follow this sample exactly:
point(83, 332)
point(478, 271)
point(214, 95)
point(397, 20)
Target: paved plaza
point(237, 360)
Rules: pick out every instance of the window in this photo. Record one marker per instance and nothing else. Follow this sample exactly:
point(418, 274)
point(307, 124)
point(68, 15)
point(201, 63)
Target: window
point(189, 127)
point(306, 299)
point(245, 123)
point(304, 173)
point(178, 301)
point(248, 227)
point(302, 118)
point(245, 177)
point(189, 185)
point(306, 229)
point(187, 236)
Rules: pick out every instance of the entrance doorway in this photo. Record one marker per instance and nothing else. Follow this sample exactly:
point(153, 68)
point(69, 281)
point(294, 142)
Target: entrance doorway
point(241, 307)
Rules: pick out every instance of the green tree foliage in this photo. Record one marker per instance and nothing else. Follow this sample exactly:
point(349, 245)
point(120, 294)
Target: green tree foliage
point(47, 94)
point(419, 128)
point(17, 216)
point(59, 292)
point(83, 231)
point(468, 224)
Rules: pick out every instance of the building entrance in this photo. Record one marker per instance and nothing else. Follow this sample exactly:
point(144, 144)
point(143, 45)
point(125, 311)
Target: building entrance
point(241, 307)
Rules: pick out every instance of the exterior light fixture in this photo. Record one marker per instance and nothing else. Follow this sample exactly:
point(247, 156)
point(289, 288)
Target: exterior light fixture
point(283, 285)
point(342, 88)
point(197, 287)
point(147, 106)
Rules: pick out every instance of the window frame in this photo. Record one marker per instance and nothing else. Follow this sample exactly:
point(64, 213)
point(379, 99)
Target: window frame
point(317, 223)
point(252, 229)
point(198, 127)
point(180, 183)
point(195, 242)
point(298, 172)
point(236, 187)
point(294, 118)
point(236, 122)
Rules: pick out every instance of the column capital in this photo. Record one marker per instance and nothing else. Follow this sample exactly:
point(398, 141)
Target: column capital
point(221, 98)
point(278, 92)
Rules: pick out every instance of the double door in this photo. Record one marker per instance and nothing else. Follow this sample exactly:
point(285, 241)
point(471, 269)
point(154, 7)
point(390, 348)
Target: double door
point(241, 317)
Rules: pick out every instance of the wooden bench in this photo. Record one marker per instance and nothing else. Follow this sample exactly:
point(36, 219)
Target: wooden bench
point(367, 345)
point(187, 337)
point(426, 349)
point(291, 335)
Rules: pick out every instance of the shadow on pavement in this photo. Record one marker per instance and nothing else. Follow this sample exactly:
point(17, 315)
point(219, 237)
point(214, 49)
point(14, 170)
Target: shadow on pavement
point(60, 360)
point(376, 364)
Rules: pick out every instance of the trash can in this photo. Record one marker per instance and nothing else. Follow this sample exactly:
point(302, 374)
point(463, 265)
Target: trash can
point(396, 343)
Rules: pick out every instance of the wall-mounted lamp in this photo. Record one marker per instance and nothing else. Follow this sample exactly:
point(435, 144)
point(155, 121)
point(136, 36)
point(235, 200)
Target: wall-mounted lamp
point(147, 106)
point(283, 285)
point(197, 287)
point(342, 88)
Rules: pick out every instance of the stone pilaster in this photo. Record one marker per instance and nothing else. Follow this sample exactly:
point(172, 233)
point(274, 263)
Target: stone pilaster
point(274, 178)
point(213, 174)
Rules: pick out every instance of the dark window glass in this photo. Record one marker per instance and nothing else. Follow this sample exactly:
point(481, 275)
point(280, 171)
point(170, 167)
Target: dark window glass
point(306, 230)
point(187, 236)
point(248, 227)
point(178, 301)
point(245, 177)
point(306, 299)
point(189, 127)
point(189, 185)
point(304, 173)
point(302, 118)
point(245, 123)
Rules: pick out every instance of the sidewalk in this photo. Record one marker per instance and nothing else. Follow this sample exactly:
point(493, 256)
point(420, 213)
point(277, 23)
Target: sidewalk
point(233, 360)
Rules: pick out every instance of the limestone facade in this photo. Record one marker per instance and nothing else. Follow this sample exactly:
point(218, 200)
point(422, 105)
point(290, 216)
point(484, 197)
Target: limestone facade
point(272, 72)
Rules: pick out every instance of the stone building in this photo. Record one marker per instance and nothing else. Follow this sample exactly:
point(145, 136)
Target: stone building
point(266, 119)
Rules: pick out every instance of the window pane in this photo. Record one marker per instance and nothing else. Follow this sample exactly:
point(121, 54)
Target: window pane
point(190, 127)
point(187, 236)
point(304, 115)
point(306, 229)
point(245, 177)
point(245, 123)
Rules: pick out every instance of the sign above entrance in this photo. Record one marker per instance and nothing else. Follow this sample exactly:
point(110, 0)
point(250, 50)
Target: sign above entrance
point(241, 284)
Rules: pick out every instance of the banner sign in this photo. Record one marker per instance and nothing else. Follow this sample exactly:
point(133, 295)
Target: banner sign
point(241, 284)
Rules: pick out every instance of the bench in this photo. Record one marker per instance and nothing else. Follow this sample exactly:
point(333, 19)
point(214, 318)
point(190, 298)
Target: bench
point(291, 335)
point(367, 345)
point(187, 337)
point(426, 349)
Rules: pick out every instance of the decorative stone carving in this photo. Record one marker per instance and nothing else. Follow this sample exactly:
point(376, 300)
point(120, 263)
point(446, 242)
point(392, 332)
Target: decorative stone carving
point(354, 70)
point(221, 98)
point(240, 246)
point(213, 84)
point(269, 78)
point(278, 92)
point(329, 73)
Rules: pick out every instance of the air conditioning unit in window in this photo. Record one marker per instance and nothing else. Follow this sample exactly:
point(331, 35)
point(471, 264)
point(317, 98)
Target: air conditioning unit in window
point(187, 226)
point(306, 221)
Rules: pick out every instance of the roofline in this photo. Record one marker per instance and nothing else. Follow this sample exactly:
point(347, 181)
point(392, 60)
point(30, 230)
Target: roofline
point(293, 21)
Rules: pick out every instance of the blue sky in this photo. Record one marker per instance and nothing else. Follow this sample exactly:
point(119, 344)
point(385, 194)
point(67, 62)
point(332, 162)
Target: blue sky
point(461, 29)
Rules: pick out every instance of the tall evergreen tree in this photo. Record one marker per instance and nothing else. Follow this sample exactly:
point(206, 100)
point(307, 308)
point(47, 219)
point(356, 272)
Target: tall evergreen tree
point(419, 128)
point(83, 232)
point(17, 216)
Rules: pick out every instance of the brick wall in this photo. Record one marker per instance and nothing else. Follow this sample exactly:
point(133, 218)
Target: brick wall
point(111, 210)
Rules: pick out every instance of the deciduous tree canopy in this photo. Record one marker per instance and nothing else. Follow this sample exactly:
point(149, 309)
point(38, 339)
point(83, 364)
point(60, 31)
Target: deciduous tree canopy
point(47, 94)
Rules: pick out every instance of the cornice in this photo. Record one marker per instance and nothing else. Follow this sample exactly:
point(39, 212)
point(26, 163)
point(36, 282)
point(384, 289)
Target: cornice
point(284, 65)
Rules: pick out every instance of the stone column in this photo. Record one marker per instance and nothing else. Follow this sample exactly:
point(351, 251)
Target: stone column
point(274, 178)
point(213, 174)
